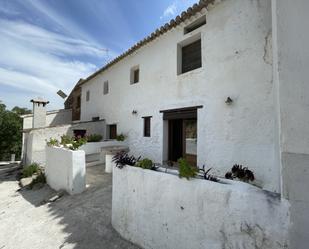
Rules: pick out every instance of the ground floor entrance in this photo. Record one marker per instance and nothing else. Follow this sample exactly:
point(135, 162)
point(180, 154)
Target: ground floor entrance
point(181, 134)
point(182, 141)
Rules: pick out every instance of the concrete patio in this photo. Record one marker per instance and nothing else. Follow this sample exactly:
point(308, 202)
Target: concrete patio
point(79, 221)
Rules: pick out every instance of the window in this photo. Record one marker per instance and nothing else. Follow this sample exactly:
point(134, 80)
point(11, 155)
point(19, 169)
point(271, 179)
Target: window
point(147, 126)
point(87, 96)
point(95, 118)
point(112, 131)
point(134, 75)
point(195, 25)
point(79, 133)
point(105, 88)
point(191, 56)
point(78, 101)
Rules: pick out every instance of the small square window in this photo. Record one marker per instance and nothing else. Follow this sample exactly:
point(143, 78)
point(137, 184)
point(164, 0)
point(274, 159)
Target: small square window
point(134, 75)
point(105, 88)
point(147, 126)
point(88, 96)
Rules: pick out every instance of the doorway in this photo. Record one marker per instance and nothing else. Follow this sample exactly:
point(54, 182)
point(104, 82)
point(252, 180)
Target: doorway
point(182, 140)
point(180, 134)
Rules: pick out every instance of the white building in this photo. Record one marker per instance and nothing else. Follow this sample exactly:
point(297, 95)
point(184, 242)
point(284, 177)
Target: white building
point(245, 95)
point(181, 76)
point(223, 83)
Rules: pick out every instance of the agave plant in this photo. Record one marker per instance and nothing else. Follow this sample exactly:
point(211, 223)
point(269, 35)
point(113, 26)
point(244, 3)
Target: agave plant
point(205, 174)
point(122, 158)
point(240, 172)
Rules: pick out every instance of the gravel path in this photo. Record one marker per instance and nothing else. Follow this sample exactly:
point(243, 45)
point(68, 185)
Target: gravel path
point(80, 221)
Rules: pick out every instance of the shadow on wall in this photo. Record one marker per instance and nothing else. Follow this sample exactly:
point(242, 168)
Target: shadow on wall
point(60, 118)
point(83, 219)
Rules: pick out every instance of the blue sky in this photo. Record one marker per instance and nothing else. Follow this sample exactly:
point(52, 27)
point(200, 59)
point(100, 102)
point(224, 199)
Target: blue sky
point(47, 45)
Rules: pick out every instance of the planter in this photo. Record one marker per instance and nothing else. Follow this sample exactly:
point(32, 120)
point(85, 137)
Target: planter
point(65, 169)
point(110, 152)
point(159, 210)
point(95, 150)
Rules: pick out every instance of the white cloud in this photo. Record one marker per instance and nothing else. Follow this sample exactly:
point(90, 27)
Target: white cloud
point(37, 60)
point(61, 21)
point(43, 39)
point(176, 8)
point(170, 11)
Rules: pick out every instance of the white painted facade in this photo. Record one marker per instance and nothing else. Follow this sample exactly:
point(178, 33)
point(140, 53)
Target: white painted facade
point(291, 62)
point(69, 171)
point(35, 143)
point(236, 62)
point(34, 140)
point(161, 211)
point(53, 118)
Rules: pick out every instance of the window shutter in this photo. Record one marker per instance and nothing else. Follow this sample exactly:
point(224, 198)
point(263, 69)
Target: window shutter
point(191, 56)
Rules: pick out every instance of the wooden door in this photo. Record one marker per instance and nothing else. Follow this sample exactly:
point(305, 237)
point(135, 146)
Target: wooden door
point(175, 147)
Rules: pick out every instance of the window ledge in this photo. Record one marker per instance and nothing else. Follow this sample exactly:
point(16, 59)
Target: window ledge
point(192, 72)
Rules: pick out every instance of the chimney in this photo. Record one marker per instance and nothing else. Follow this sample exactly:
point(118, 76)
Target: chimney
point(39, 112)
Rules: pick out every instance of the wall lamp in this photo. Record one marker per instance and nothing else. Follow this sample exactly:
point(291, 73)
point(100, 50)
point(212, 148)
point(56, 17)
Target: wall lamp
point(228, 101)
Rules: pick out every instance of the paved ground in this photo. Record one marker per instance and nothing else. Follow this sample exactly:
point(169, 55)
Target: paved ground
point(80, 221)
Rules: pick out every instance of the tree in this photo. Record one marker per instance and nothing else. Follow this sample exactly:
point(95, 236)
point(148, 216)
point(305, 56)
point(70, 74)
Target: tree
point(10, 131)
point(21, 110)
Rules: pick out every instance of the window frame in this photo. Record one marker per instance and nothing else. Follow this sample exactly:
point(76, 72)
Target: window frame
point(147, 126)
point(194, 62)
point(105, 87)
point(183, 44)
point(109, 131)
point(88, 96)
point(135, 75)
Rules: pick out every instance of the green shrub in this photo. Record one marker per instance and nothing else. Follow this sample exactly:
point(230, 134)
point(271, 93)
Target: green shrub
point(52, 142)
point(66, 139)
point(94, 138)
point(68, 142)
point(186, 170)
point(145, 164)
point(30, 170)
point(77, 143)
point(120, 137)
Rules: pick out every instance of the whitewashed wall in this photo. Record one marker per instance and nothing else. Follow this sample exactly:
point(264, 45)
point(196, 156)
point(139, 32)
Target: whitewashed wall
point(65, 169)
point(291, 53)
point(53, 118)
point(157, 210)
point(95, 147)
point(34, 141)
point(236, 62)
